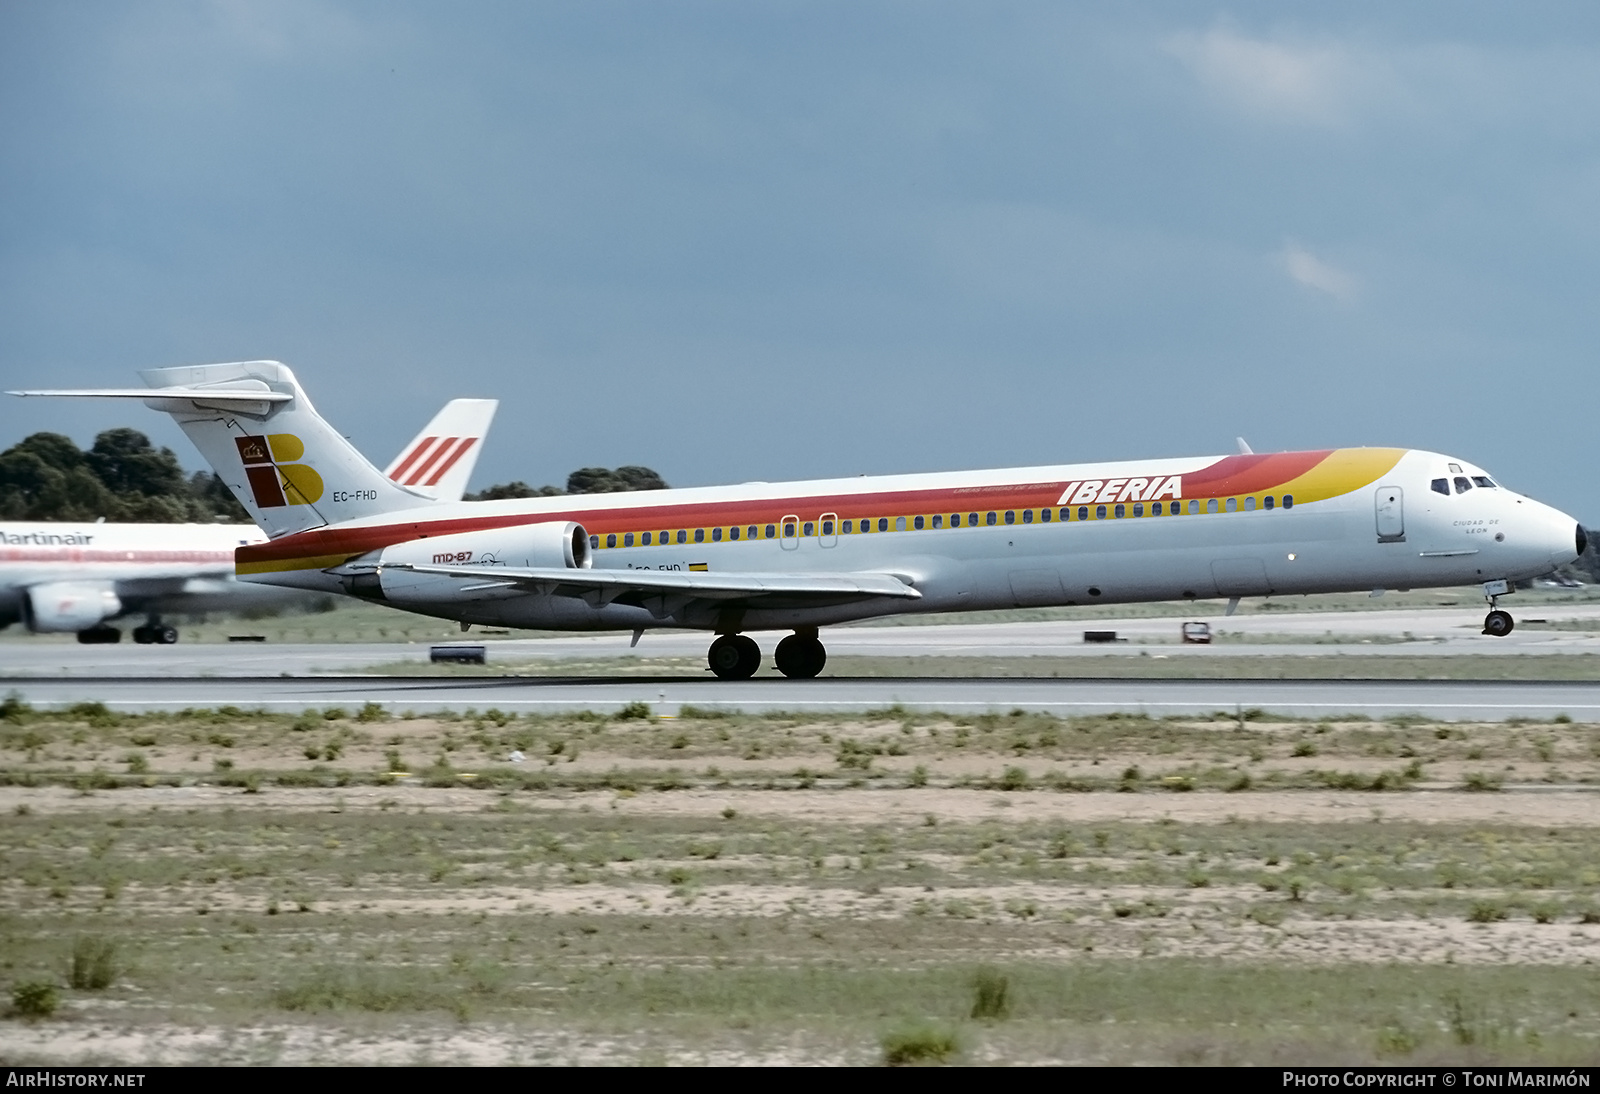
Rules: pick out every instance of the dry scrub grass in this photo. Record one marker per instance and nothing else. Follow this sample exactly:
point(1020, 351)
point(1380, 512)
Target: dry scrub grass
point(794, 889)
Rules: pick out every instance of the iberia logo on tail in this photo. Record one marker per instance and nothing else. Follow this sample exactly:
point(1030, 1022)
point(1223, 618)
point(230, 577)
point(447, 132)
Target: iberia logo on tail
point(275, 479)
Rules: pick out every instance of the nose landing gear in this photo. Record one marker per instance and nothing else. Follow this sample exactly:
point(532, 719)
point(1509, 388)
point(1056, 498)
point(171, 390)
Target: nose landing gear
point(1498, 623)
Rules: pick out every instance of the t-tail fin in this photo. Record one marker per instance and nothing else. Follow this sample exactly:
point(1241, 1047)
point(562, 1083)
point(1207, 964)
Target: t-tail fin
point(253, 423)
point(439, 460)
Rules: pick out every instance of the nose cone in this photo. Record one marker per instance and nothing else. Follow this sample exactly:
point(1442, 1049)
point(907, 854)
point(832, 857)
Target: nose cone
point(1568, 539)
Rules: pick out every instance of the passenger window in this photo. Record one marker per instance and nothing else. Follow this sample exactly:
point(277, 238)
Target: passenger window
point(1288, 501)
point(847, 527)
point(752, 531)
point(807, 527)
point(611, 540)
point(916, 522)
point(1194, 506)
point(662, 539)
point(683, 536)
point(955, 520)
point(1083, 512)
point(827, 527)
point(1483, 480)
point(1211, 505)
point(1462, 485)
point(1027, 516)
point(1155, 509)
point(627, 540)
point(899, 524)
point(1122, 511)
point(733, 533)
point(788, 529)
point(989, 519)
point(1233, 504)
point(972, 520)
point(1100, 512)
point(938, 520)
point(1249, 505)
point(772, 530)
point(644, 540)
point(1441, 486)
point(716, 535)
point(1138, 509)
point(1266, 502)
point(883, 524)
point(1011, 516)
point(1044, 516)
point(594, 541)
point(699, 535)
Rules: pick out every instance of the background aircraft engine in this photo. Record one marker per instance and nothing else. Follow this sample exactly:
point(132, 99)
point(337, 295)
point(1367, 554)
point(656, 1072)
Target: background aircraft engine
point(70, 606)
point(551, 545)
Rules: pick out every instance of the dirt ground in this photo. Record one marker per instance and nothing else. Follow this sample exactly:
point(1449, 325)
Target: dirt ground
point(800, 890)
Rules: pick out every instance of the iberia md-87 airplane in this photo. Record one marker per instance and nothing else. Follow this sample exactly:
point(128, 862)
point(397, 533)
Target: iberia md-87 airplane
point(58, 577)
point(803, 555)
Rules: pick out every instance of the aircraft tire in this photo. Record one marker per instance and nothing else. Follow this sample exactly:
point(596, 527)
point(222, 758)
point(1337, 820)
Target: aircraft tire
point(800, 658)
point(734, 657)
point(166, 636)
point(1498, 623)
point(99, 636)
point(144, 635)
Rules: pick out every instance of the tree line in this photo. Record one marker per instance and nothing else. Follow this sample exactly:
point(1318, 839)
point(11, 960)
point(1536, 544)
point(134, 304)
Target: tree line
point(124, 478)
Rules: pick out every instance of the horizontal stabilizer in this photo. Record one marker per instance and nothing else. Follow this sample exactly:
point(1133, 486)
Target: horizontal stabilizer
point(207, 394)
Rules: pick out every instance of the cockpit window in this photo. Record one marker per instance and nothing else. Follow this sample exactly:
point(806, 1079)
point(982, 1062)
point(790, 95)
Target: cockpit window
point(1462, 485)
point(1441, 486)
point(1483, 480)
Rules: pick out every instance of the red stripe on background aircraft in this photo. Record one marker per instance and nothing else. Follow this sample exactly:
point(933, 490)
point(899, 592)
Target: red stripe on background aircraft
point(799, 556)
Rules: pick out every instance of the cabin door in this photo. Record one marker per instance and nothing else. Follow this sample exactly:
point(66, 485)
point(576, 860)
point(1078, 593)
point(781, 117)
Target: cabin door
point(1391, 515)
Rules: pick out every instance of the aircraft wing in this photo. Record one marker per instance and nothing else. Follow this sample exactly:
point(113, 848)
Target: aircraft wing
point(439, 460)
point(664, 592)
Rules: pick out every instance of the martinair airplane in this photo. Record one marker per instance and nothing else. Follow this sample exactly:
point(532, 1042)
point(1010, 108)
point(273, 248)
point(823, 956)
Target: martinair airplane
point(57, 576)
point(800, 556)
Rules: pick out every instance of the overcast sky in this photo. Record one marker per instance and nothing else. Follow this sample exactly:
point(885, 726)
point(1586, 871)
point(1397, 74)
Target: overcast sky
point(742, 240)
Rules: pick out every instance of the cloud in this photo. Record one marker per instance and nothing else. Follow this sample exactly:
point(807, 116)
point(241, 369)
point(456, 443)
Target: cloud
point(1310, 271)
point(1298, 83)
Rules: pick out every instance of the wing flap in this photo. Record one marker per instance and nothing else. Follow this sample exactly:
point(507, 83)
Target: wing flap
point(604, 586)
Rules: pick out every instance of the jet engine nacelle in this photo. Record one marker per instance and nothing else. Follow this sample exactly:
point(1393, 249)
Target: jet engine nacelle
point(550, 545)
point(388, 576)
point(70, 606)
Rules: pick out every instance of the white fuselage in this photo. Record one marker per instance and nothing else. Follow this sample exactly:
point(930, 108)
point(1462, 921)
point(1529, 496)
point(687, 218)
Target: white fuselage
point(71, 576)
point(1020, 538)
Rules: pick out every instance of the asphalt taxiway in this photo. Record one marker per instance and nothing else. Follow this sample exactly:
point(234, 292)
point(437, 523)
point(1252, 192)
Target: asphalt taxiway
point(293, 677)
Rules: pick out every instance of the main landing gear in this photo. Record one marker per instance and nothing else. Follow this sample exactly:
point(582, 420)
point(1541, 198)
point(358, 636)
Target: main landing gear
point(155, 633)
point(800, 656)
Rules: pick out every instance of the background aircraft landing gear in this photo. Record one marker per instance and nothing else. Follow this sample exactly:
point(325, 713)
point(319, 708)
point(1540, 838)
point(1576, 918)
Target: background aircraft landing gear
point(1498, 623)
point(99, 635)
point(734, 657)
point(800, 656)
point(155, 632)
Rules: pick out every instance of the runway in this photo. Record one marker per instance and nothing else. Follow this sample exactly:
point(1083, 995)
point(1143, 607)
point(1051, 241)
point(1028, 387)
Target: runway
point(1416, 633)
point(1448, 700)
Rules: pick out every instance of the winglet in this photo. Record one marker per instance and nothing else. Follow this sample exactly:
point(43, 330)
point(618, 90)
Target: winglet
point(1244, 449)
